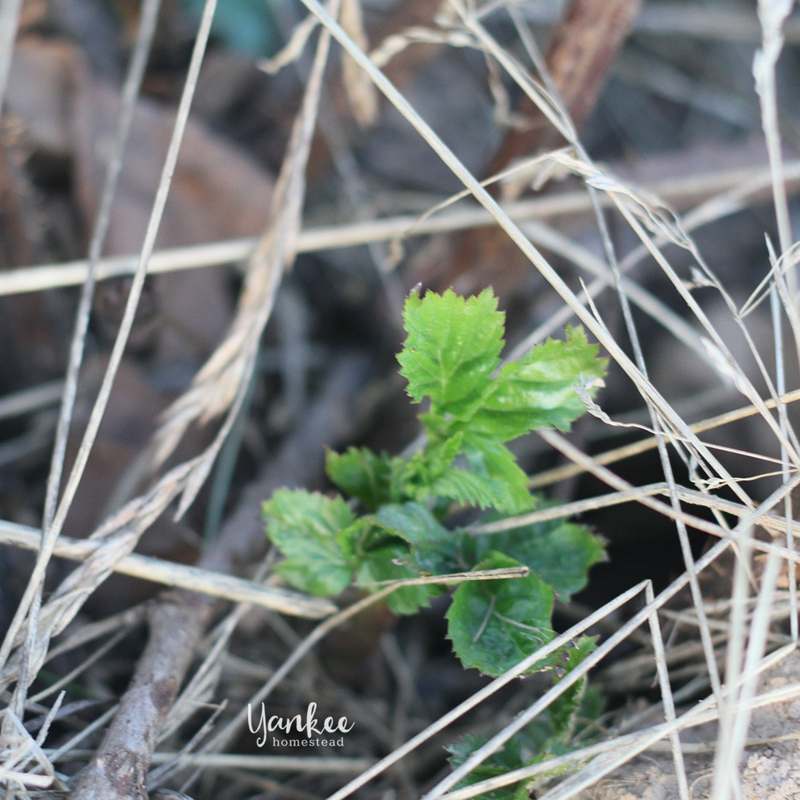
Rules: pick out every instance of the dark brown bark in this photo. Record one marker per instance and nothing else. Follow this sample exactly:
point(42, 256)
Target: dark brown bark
point(580, 53)
point(119, 768)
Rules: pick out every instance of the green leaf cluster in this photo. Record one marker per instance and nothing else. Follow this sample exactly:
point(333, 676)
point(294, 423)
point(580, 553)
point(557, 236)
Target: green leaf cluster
point(388, 523)
point(553, 733)
point(452, 357)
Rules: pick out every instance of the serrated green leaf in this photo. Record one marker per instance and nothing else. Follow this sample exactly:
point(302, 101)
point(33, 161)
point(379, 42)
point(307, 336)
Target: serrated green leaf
point(413, 523)
point(362, 474)
point(495, 624)
point(304, 527)
point(469, 488)
point(453, 346)
point(412, 478)
point(537, 391)
point(492, 460)
point(559, 552)
point(434, 549)
point(391, 564)
point(363, 537)
point(507, 759)
point(563, 711)
point(551, 734)
point(440, 455)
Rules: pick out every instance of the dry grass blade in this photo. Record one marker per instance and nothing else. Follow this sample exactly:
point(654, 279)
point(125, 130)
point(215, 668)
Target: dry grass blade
point(627, 451)
point(737, 186)
point(700, 715)
point(121, 532)
point(683, 537)
point(230, 366)
point(527, 716)
point(397, 43)
point(772, 14)
point(725, 362)
point(772, 522)
point(662, 670)
point(450, 716)
point(293, 49)
point(728, 756)
point(553, 278)
point(753, 517)
point(9, 19)
point(180, 576)
point(360, 90)
point(601, 767)
point(120, 535)
point(130, 93)
point(640, 212)
point(28, 400)
point(622, 292)
point(703, 634)
point(23, 764)
point(580, 52)
point(781, 387)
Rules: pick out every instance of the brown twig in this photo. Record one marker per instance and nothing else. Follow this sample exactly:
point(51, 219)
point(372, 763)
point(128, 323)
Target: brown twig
point(581, 50)
point(119, 767)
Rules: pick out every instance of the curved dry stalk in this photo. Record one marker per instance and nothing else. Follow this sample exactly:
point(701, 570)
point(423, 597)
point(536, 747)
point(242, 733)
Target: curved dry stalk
point(130, 92)
point(178, 576)
point(23, 764)
point(641, 740)
point(236, 358)
point(772, 522)
point(735, 535)
point(220, 387)
point(576, 630)
point(737, 185)
point(661, 222)
point(640, 211)
point(215, 386)
point(566, 471)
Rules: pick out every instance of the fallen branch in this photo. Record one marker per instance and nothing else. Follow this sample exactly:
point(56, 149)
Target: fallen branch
point(119, 768)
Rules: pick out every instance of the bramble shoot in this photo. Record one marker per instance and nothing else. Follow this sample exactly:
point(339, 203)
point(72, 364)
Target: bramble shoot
point(393, 526)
